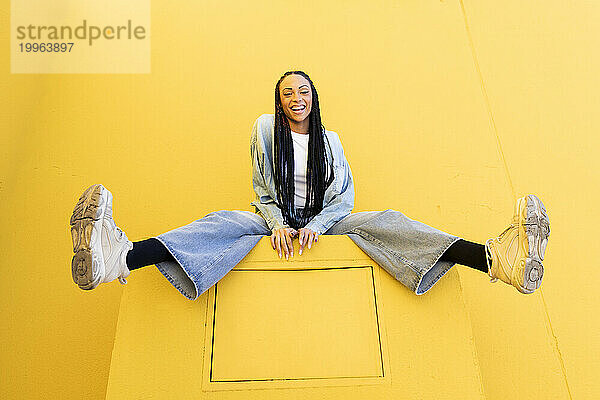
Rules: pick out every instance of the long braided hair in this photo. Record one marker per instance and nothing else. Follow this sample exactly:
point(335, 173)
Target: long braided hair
point(318, 176)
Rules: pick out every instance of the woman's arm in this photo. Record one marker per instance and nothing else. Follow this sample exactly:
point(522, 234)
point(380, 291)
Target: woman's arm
point(264, 203)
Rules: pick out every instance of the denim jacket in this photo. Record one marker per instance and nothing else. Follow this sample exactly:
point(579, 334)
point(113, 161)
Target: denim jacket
point(338, 201)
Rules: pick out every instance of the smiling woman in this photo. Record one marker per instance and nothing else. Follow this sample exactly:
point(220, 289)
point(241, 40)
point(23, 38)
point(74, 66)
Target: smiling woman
point(295, 99)
point(294, 157)
point(297, 113)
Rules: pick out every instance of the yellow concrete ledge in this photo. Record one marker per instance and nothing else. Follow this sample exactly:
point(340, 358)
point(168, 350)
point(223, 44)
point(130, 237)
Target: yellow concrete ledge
point(328, 323)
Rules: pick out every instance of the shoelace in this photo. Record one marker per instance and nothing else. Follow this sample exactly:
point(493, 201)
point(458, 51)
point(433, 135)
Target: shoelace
point(511, 226)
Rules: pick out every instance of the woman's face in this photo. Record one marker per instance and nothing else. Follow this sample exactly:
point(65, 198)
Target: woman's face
point(296, 98)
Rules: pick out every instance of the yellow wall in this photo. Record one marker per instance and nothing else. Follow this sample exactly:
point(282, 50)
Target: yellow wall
point(447, 110)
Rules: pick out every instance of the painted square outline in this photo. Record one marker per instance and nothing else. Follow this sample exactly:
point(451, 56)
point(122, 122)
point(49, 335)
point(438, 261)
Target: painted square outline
point(208, 385)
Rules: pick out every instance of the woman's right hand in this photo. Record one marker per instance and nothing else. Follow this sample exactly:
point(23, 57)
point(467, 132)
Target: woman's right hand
point(281, 241)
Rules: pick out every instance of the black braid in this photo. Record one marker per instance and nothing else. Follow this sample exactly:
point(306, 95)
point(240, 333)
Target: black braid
point(318, 176)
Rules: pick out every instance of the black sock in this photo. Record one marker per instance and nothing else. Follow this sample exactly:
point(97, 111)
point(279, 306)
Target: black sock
point(147, 252)
point(467, 253)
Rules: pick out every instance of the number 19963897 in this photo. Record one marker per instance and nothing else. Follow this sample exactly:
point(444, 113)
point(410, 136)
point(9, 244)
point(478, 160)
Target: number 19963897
point(46, 47)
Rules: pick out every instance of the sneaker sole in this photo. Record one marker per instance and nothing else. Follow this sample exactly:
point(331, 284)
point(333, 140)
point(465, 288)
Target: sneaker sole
point(533, 272)
point(537, 229)
point(87, 265)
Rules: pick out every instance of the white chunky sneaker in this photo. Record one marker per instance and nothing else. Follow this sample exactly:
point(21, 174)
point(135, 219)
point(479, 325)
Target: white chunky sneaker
point(115, 247)
point(100, 247)
point(515, 256)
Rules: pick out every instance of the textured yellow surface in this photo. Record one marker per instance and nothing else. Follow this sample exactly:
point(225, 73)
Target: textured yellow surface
point(538, 70)
point(301, 329)
point(448, 111)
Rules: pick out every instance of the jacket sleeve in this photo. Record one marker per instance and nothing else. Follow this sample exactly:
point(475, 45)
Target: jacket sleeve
point(342, 196)
point(263, 203)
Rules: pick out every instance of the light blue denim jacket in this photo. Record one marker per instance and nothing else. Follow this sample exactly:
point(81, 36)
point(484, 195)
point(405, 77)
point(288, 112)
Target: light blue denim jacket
point(339, 196)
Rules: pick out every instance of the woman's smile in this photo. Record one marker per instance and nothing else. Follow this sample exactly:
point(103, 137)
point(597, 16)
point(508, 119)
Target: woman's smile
point(298, 109)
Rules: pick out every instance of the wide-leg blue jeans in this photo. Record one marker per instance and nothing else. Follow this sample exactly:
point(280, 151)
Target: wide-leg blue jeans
point(206, 249)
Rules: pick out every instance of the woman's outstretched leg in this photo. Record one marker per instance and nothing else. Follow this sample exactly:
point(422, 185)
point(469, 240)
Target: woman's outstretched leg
point(515, 256)
point(193, 257)
point(206, 249)
point(100, 246)
point(407, 249)
point(418, 255)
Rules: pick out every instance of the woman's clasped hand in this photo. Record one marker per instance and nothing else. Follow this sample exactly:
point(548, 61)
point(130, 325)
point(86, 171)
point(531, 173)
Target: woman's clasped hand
point(281, 240)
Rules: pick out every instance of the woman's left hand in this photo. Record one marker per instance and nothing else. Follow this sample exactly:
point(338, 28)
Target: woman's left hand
point(306, 237)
